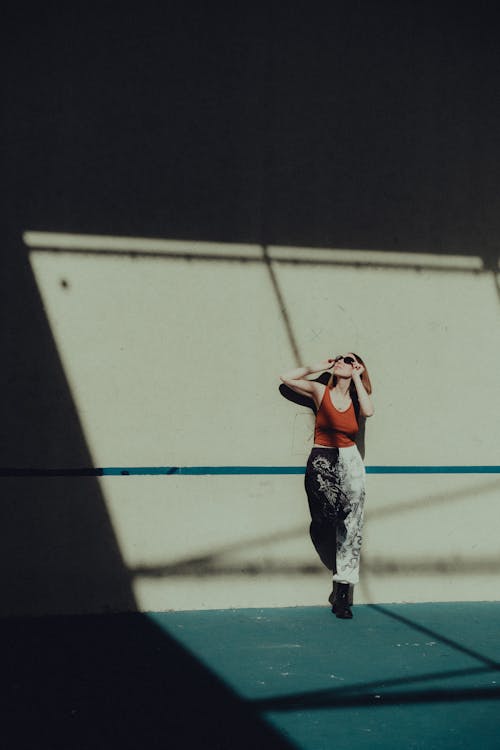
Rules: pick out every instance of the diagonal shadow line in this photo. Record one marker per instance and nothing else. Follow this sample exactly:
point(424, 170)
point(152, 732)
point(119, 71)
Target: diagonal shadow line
point(211, 557)
point(491, 663)
point(209, 564)
point(200, 569)
point(205, 567)
point(320, 698)
point(281, 304)
point(419, 503)
point(312, 702)
point(441, 565)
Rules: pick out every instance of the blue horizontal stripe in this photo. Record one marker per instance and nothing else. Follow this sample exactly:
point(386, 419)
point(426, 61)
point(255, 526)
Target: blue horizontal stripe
point(433, 469)
point(269, 470)
point(193, 471)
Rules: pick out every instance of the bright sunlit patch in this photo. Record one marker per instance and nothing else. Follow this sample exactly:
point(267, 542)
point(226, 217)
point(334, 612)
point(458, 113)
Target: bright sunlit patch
point(380, 258)
point(171, 350)
point(93, 243)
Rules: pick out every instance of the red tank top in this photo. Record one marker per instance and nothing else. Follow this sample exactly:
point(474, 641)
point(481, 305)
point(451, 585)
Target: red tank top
point(333, 428)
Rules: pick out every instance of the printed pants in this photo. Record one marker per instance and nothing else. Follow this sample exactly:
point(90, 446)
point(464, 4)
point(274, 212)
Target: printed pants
point(335, 486)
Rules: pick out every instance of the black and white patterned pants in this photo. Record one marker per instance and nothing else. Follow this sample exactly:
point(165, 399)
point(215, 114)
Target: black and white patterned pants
point(335, 486)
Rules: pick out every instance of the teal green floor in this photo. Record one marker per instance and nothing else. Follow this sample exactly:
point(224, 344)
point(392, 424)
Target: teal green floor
point(396, 676)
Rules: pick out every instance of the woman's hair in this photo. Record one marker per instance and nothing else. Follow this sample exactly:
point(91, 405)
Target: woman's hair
point(365, 379)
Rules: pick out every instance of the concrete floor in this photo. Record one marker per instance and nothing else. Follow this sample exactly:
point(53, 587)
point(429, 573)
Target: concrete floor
point(396, 676)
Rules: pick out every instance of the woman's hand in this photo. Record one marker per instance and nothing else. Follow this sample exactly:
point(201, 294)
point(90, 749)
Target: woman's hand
point(357, 368)
point(327, 364)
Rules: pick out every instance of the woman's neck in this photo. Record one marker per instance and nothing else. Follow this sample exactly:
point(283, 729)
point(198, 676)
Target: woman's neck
point(342, 386)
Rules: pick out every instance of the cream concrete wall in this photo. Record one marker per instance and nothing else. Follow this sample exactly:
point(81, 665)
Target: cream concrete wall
point(173, 359)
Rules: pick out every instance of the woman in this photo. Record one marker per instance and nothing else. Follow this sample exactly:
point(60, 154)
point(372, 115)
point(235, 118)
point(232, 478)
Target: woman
point(335, 474)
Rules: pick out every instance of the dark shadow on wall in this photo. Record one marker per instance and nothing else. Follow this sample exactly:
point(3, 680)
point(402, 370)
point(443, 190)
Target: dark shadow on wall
point(363, 125)
point(58, 550)
point(386, 566)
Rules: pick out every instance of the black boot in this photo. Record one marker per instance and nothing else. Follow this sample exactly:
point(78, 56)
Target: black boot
point(341, 599)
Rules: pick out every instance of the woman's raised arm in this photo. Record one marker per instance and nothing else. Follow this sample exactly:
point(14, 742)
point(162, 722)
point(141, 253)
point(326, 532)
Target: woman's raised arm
point(297, 379)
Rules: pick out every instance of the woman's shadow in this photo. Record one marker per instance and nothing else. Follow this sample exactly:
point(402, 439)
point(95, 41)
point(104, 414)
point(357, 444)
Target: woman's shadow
point(297, 398)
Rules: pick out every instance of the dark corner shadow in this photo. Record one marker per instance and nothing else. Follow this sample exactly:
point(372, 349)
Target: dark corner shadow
point(432, 500)
point(296, 398)
point(117, 681)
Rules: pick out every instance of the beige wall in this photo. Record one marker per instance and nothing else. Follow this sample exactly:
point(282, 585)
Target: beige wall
point(173, 358)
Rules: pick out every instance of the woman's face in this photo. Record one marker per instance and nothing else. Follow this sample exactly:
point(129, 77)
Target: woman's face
point(343, 368)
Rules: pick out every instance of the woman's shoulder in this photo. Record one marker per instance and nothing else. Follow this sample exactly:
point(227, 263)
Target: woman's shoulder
point(321, 387)
point(312, 400)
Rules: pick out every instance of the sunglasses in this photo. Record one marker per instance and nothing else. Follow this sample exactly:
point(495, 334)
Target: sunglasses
point(347, 360)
